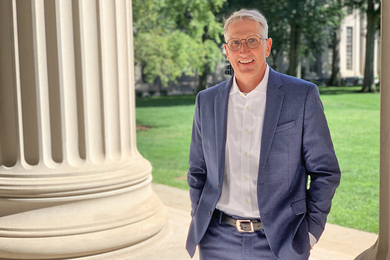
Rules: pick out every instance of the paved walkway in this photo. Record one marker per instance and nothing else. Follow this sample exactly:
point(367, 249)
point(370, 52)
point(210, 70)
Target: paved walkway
point(336, 243)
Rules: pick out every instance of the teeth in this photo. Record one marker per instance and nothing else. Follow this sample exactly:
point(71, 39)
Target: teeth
point(246, 61)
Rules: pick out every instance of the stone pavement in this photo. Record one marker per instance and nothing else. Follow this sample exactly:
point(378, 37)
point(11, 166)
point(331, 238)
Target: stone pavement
point(336, 243)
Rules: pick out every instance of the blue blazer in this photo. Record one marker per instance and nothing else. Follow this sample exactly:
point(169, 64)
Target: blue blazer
point(295, 144)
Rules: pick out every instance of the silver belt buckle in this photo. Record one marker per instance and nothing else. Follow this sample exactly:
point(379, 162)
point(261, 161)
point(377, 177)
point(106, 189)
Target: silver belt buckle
point(239, 228)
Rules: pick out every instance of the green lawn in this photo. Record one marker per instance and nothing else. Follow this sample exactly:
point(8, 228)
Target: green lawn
point(354, 124)
point(353, 120)
point(166, 143)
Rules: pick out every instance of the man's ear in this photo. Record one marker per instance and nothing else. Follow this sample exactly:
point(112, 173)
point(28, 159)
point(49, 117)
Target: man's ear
point(226, 51)
point(269, 46)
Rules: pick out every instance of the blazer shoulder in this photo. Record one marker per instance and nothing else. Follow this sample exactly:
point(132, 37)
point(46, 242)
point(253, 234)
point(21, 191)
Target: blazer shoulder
point(290, 83)
point(290, 80)
point(217, 89)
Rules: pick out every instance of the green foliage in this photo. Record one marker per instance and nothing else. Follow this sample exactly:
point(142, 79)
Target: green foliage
point(172, 37)
point(323, 17)
point(363, 4)
point(353, 120)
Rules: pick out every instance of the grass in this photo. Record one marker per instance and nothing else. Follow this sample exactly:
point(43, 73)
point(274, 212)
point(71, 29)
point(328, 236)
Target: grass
point(166, 143)
point(353, 120)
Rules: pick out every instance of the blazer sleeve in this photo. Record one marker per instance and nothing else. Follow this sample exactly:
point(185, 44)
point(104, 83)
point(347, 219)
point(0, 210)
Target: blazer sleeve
point(196, 176)
point(320, 162)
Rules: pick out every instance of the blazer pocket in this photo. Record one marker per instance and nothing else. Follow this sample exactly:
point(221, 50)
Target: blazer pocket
point(285, 126)
point(299, 206)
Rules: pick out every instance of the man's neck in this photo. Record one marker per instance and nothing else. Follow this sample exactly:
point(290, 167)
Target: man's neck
point(246, 84)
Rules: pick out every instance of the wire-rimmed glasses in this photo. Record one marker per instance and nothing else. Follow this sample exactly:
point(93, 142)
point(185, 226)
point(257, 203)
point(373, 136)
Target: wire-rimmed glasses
point(252, 42)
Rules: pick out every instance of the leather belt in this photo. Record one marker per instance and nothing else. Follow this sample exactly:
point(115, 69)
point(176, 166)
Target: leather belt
point(242, 225)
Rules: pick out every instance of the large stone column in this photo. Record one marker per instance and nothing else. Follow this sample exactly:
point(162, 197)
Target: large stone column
point(381, 249)
point(72, 182)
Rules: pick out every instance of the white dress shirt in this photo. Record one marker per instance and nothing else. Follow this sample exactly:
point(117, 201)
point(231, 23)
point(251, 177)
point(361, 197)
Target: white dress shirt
point(243, 143)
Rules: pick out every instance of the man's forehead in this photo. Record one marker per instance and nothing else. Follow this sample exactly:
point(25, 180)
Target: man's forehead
point(244, 27)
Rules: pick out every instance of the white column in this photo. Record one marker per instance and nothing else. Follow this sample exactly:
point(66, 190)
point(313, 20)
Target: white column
point(381, 249)
point(72, 183)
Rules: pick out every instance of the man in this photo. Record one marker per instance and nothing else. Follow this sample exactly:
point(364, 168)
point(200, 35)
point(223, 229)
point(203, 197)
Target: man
point(256, 138)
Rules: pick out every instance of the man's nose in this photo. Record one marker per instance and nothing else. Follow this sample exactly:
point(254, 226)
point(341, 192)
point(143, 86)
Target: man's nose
point(244, 46)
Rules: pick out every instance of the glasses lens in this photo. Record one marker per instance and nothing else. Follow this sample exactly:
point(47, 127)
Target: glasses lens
point(234, 44)
point(253, 41)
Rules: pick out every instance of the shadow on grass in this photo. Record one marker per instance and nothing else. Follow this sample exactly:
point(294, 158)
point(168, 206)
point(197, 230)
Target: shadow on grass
point(165, 101)
point(142, 127)
point(339, 90)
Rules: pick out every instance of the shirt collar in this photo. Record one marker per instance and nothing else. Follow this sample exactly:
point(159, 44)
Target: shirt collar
point(262, 87)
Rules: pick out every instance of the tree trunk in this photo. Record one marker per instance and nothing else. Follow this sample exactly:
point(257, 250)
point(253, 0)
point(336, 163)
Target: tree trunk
point(335, 77)
point(274, 57)
point(294, 48)
point(274, 63)
point(372, 19)
point(318, 65)
point(202, 80)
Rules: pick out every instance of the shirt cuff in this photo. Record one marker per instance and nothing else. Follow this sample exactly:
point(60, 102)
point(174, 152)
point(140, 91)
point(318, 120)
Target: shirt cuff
point(313, 240)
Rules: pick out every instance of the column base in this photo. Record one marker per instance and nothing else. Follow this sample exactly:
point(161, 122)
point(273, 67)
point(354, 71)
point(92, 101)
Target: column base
point(86, 225)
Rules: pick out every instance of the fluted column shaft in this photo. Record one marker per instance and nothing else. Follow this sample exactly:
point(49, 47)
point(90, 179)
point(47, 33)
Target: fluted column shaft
point(70, 173)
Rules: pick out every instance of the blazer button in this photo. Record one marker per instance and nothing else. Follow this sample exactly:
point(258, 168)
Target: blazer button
point(209, 213)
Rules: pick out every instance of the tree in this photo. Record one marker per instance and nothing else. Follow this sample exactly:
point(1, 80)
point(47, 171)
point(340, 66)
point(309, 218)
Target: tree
point(372, 9)
point(335, 78)
point(373, 17)
point(311, 32)
point(172, 37)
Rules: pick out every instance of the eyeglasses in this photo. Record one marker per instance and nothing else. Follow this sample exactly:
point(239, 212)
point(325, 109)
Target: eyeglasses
point(252, 42)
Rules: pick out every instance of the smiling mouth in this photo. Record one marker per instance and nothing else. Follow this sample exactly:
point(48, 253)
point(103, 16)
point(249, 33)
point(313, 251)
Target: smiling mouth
point(245, 61)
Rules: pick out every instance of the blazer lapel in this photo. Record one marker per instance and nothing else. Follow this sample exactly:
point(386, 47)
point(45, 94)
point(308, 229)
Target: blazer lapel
point(273, 107)
point(220, 115)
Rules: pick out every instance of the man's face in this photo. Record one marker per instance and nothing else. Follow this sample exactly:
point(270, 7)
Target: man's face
point(248, 64)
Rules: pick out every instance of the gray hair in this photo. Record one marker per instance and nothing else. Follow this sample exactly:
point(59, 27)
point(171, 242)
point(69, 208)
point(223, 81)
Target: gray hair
point(244, 14)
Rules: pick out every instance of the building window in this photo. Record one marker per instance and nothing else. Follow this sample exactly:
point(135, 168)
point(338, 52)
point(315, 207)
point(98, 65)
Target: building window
point(349, 47)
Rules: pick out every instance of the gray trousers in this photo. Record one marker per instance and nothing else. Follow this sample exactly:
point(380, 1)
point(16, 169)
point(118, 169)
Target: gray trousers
point(225, 242)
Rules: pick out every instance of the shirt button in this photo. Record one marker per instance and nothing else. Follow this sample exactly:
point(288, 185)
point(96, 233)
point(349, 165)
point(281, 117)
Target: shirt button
point(246, 131)
point(245, 154)
point(247, 108)
point(246, 201)
point(245, 177)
